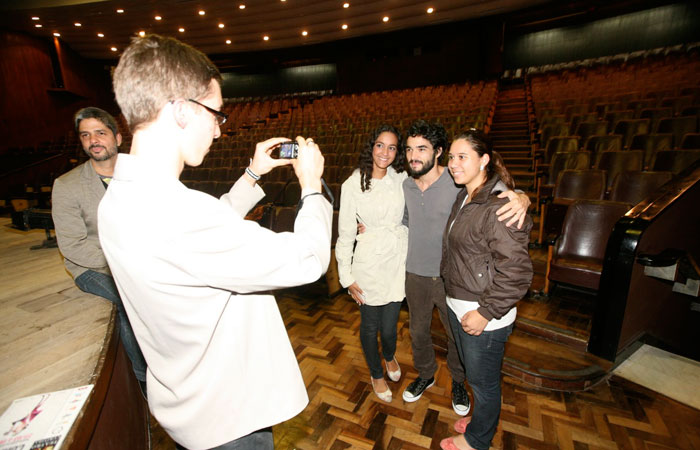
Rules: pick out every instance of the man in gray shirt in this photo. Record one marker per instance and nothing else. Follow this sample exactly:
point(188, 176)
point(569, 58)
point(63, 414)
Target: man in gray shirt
point(430, 193)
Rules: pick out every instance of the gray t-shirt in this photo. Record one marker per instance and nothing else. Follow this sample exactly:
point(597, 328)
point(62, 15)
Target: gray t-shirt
point(426, 215)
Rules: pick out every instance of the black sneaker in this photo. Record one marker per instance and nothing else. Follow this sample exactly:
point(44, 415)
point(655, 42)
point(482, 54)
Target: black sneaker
point(415, 390)
point(460, 399)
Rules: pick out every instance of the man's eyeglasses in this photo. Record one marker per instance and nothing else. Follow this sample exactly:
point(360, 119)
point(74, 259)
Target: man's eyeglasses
point(221, 117)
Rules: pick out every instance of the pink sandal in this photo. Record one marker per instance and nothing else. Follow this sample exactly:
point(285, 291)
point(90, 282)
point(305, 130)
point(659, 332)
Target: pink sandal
point(461, 425)
point(447, 444)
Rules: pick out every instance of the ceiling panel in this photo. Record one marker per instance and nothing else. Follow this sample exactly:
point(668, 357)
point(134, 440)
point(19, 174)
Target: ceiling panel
point(282, 21)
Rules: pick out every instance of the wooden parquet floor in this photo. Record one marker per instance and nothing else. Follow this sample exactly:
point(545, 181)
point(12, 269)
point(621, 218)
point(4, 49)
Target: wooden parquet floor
point(343, 413)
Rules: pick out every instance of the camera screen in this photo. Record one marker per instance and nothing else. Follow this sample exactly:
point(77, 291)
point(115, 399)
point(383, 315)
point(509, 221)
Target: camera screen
point(288, 150)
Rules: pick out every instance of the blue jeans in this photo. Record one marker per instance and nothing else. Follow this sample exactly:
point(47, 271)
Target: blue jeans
point(482, 357)
point(382, 319)
point(258, 440)
point(103, 285)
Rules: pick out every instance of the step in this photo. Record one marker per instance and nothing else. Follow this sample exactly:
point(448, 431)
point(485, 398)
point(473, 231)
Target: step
point(551, 365)
point(513, 154)
point(519, 125)
point(514, 107)
point(516, 151)
point(519, 164)
point(510, 137)
point(514, 134)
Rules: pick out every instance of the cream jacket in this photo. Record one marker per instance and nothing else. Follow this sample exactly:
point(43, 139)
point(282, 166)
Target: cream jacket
point(378, 262)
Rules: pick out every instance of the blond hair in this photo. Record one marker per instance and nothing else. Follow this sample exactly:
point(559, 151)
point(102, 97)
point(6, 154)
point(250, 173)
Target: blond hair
point(154, 70)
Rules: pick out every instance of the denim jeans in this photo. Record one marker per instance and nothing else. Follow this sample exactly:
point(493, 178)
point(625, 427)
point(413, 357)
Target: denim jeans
point(103, 285)
point(422, 295)
point(482, 357)
point(382, 319)
point(258, 440)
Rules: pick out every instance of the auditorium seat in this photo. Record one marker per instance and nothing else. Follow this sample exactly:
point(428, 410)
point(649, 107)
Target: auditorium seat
point(588, 129)
point(292, 194)
point(560, 144)
point(576, 258)
point(678, 127)
point(576, 110)
point(691, 141)
point(273, 192)
point(632, 186)
point(603, 108)
point(655, 115)
point(628, 128)
point(599, 144)
point(612, 117)
point(578, 118)
point(571, 184)
point(650, 144)
point(551, 131)
point(284, 217)
point(641, 104)
point(691, 111)
point(675, 160)
point(676, 103)
point(546, 178)
point(615, 162)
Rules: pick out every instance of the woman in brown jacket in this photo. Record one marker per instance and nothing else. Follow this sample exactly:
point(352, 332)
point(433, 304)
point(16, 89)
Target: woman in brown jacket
point(487, 269)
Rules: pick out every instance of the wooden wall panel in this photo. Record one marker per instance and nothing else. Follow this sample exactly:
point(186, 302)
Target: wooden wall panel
point(32, 109)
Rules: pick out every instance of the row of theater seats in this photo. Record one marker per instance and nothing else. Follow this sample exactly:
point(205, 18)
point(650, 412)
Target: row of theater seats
point(579, 216)
point(613, 162)
point(341, 125)
point(649, 144)
point(592, 133)
point(629, 186)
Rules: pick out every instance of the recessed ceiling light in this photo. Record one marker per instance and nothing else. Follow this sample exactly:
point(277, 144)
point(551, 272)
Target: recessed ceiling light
point(221, 25)
point(241, 6)
point(266, 38)
point(346, 5)
point(202, 12)
point(114, 49)
point(430, 10)
point(57, 34)
point(228, 41)
point(78, 24)
point(385, 19)
point(120, 11)
point(304, 33)
point(35, 18)
point(100, 35)
point(38, 25)
point(345, 26)
point(157, 17)
point(181, 30)
point(142, 33)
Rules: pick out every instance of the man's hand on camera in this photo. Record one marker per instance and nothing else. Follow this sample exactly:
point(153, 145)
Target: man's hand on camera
point(308, 165)
point(262, 162)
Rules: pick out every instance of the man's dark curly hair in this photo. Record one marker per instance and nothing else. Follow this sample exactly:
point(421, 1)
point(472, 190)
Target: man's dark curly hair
point(365, 161)
point(433, 132)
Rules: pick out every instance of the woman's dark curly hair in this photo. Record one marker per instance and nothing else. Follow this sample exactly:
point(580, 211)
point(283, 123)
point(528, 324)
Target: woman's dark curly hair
point(365, 161)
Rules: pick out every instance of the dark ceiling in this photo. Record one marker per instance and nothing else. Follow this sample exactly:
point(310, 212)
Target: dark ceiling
point(283, 21)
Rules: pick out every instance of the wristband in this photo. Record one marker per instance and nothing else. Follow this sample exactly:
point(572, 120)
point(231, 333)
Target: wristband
point(252, 174)
point(301, 201)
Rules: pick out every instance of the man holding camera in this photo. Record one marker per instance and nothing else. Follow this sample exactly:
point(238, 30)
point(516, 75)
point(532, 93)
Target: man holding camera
point(74, 199)
point(192, 272)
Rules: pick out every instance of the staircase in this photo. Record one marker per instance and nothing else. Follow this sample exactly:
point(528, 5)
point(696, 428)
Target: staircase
point(510, 133)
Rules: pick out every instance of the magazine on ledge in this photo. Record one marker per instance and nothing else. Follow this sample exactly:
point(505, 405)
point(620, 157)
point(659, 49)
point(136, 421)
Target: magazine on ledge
point(42, 421)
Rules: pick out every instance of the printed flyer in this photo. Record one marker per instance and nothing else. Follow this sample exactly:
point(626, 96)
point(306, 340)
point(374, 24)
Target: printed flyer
point(42, 421)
